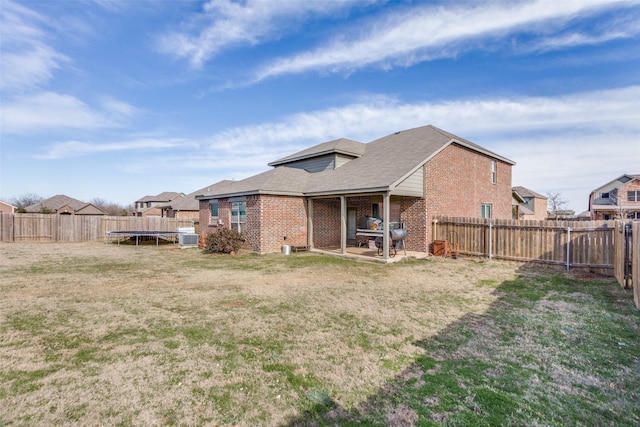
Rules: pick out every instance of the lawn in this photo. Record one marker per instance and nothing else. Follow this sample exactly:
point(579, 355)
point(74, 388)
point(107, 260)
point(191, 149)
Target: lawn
point(99, 334)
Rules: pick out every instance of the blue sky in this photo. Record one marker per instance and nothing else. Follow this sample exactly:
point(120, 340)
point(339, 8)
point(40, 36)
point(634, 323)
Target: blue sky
point(121, 99)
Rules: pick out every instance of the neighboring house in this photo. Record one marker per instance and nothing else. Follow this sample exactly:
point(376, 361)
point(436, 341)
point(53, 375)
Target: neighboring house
point(156, 205)
point(321, 196)
point(533, 206)
point(64, 205)
point(7, 208)
point(617, 199)
point(188, 207)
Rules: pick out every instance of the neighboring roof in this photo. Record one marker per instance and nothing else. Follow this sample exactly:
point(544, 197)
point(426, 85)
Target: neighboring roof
point(165, 196)
point(190, 203)
point(59, 201)
point(525, 192)
point(524, 210)
point(337, 146)
point(8, 204)
point(516, 196)
point(385, 163)
point(55, 203)
point(280, 180)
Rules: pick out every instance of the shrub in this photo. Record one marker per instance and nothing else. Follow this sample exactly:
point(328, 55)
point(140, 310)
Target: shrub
point(224, 241)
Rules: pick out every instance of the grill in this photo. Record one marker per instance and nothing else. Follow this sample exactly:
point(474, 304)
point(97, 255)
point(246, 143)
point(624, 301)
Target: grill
point(396, 235)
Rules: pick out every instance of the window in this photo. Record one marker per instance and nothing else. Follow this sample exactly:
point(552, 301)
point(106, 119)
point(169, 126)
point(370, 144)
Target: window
point(485, 211)
point(494, 171)
point(238, 215)
point(633, 196)
point(213, 205)
point(633, 215)
point(375, 210)
point(605, 195)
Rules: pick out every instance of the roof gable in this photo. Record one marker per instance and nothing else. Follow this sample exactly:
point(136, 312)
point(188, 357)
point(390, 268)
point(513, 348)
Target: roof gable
point(343, 146)
point(383, 165)
point(525, 192)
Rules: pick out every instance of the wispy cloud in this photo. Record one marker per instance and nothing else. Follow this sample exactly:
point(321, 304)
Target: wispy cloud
point(70, 149)
point(28, 59)
point(223, 24)
point(50, 111)
point(375, 116)
point(431, 32)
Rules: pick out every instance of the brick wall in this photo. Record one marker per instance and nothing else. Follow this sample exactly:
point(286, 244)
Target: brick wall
point(458, 182)
point(326, 222)
point(277, 217)
point(269, 219)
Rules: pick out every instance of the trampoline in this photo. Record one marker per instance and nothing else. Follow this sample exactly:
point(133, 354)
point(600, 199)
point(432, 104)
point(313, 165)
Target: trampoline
point(169, 236)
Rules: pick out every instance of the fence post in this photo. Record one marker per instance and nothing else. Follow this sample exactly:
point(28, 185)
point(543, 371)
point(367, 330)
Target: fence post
point(490, 239)
point(568, 248)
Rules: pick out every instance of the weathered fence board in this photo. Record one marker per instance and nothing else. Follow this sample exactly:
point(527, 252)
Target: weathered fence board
point(77, 228)
point(585, 244)
point(635, 263)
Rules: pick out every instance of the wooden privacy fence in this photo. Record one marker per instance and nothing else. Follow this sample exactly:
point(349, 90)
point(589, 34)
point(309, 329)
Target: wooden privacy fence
point(584, 244)
point(77, 228)
point(627, 263)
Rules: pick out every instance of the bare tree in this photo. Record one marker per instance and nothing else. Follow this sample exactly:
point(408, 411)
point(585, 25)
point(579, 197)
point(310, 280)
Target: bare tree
point(111, 208)
point(555, 203)
point(25, 200)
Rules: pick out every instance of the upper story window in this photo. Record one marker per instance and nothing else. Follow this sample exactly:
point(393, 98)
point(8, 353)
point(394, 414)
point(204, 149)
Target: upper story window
point(494, 171)
point(633, 196)
point(605, 195)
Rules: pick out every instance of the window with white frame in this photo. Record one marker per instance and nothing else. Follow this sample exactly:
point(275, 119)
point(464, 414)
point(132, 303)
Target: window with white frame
point(238, 215)
point(485, 210)
point(213, 205)
point(494, 171)
point(633, 196)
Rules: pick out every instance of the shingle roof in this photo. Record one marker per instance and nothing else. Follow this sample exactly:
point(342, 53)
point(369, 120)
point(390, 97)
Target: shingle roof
point(190, 203)
point(338, 146)
point(55, 203)
point(165, 196)
point(525, 192)
point(384, 163)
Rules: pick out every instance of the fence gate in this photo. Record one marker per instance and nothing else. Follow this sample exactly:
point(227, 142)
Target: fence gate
point(623, 266)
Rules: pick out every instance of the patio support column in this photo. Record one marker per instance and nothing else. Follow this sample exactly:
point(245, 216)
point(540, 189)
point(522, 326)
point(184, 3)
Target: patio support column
point(310, 223)
point(343, 225)
point(386, 215)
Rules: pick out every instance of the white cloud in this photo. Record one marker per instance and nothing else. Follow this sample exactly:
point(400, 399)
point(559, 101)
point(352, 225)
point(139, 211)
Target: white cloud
point(430, 32)
point(558, 143)
point(70, 149)
point(225, 23)
point(49, 111)
point(28, 60)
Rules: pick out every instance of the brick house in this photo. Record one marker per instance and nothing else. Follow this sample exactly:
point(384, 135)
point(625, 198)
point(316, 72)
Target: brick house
point(617, 199)
point(320, 197)
point(533, 205)
point(156, 205)
point(188, 207)
point(7, 207)
point(64, 205)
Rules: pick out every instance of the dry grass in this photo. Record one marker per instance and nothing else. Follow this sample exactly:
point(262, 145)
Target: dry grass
point(104, 334)
point(95, 334)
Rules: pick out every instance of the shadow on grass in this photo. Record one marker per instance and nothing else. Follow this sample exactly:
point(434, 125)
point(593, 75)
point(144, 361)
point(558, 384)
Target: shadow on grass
point(553, 349)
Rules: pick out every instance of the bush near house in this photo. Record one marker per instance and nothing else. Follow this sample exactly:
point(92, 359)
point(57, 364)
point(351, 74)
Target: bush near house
point(225, 241)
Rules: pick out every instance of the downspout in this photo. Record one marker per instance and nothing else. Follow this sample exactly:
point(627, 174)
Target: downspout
point(343, 225)
point(310, 223)
point(386, 201)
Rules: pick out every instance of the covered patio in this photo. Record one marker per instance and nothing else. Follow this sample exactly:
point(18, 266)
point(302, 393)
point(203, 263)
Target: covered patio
point(370, 255)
